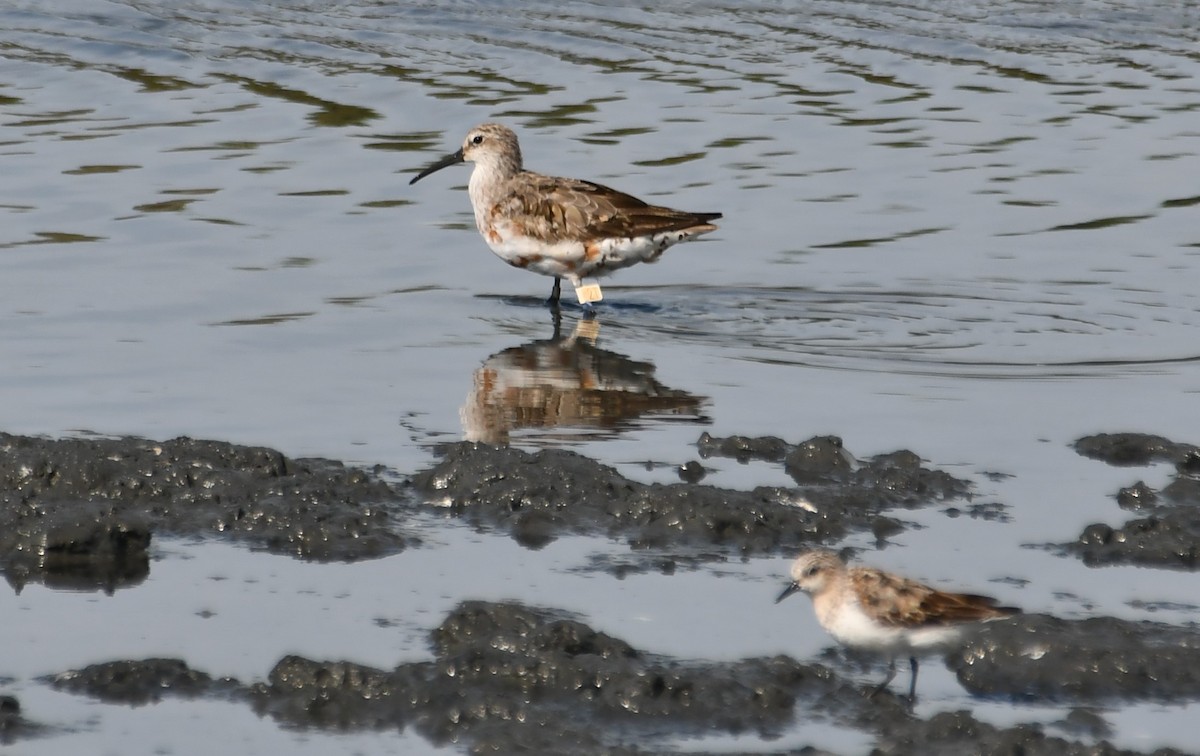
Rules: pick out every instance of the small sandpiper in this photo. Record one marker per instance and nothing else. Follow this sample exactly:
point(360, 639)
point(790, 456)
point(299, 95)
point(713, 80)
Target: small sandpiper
point(873, 610)
point(562, 227)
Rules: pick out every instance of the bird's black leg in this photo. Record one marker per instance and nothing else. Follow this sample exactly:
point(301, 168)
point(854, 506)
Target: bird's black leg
point(555, 293)
point(912, 687)
point(887, 680)
point(556, 318)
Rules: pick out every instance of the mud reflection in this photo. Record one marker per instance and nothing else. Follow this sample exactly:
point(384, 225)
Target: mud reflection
point(569, 384)
point(82, 557)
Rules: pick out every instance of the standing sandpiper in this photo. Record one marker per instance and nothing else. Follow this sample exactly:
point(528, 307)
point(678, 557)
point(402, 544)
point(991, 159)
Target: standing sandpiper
point(873, 610)
point(562, 227)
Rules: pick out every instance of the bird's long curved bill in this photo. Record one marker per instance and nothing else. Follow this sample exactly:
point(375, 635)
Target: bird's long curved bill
point(792, 588)
point(451, 159)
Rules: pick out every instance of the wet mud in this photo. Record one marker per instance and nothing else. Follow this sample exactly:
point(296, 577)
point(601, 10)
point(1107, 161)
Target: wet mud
point(505, 677)
point(1094, 660)
point(141, 682)
point(540, 495)
point(1167, 532)
point(80, 512)
point(13, 726)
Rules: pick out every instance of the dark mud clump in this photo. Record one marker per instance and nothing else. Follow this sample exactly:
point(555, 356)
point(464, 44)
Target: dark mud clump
point(743, 448)
point(953, 733)
point(538, 496)
point(1095, 660)
point(822, 462)
point(139, 682)
point(72, 544)
point(508, 677)
point(1132, 449)
point(80, 512)
point(1168, 533)
point(13, 726)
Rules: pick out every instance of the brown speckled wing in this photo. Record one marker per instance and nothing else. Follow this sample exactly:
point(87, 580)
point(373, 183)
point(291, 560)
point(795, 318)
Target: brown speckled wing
point(552, 209)
point(900, 602)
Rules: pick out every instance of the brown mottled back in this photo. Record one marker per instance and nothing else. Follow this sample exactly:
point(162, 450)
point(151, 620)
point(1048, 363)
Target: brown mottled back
point(900, 602)
point(552, 209)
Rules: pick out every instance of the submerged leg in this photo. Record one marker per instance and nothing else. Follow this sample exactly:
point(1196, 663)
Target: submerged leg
point(891, 675)
point(555, 293)
point(912, 687)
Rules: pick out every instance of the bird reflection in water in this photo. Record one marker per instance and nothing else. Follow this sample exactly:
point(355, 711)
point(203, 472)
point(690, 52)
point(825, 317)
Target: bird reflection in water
point(568, 383)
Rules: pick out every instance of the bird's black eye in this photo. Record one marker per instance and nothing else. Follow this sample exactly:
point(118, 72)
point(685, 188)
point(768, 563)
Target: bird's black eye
point(813, 569)
point(478, 139)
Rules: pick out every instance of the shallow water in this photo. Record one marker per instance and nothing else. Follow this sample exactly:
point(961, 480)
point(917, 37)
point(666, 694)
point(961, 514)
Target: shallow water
point(969, 232)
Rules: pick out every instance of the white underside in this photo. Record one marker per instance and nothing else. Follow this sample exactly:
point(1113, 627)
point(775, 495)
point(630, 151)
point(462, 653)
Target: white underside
point(852, 627)
point(567, 259)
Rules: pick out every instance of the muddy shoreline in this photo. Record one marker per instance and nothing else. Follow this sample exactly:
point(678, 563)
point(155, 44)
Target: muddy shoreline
point(82, 513)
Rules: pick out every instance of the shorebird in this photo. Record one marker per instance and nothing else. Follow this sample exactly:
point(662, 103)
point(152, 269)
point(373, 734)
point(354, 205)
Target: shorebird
point(561, 227)
point(873, 610)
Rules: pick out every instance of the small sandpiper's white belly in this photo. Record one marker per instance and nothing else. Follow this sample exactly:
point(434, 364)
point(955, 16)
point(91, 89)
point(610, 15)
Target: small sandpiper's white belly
point(851, 626)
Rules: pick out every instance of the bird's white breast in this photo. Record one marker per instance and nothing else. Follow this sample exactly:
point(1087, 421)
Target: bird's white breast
point(567, 258)
point(847, 622)
point(562, 259)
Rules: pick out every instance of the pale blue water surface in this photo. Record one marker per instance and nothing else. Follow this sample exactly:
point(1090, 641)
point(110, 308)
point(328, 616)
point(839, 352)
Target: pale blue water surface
point(969, 231)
